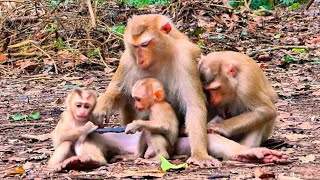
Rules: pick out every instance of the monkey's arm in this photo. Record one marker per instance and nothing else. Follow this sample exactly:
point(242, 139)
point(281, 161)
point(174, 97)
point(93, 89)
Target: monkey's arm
point(64, 133)
point(249, 120)
point(109, 99)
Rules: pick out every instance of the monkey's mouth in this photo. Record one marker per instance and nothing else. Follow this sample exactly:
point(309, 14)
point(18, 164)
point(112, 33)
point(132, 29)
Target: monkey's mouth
point(82, 117)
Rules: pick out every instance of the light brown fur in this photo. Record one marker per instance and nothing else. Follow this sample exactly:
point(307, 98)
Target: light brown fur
point(170, 57)
point(250, 100)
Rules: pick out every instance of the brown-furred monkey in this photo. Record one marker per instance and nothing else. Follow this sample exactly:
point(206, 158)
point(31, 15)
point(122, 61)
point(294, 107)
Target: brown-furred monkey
point(71, 135)
point(155, 48)
point(242, 97)
point(163, 124)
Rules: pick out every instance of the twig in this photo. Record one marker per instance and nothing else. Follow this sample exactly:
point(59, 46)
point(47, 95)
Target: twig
point(253, 53)
point(36, 78)
point(23, 43)
point(54, 63)
point(93, 19)
point(309, 4)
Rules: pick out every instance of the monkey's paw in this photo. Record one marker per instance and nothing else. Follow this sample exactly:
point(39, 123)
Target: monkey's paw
point(89, 127)
point(207, 162)
point(212, 128)
point(262, 155)
point(132, 128)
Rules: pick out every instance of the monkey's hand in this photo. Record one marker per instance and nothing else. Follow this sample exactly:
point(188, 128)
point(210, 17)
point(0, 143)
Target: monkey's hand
point(212, 128)
point(133, 127)
point(204, 162)
point(89, 127)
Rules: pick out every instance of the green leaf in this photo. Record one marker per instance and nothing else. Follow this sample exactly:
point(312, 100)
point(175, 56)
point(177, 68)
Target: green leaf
point(220, 36)
point(166, 165)
point(294, 6)
point(34, 116)
point(299, 50)
point(290, 59)
point(119, 29)
point(17, 117)
point(70, 87)
point(277, 36)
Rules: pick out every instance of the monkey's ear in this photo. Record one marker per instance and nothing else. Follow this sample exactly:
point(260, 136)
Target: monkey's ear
point(232, 71)
point(166, 27)
point(159, 95)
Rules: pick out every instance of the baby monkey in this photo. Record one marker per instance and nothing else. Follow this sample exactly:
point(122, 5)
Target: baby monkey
point(71, 132)
point(161, 131)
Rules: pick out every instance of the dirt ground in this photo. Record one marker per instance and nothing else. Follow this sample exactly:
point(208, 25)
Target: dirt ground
point(25, 143)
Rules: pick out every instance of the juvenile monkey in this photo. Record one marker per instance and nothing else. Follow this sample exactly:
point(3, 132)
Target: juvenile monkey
point(70, 136)
point(242, 97)
point(155, 48)
point(163, 124)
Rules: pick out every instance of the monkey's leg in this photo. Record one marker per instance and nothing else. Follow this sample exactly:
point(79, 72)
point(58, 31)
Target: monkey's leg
point(253, 138)
point(89, 156)
point(142, 144)
point(220, 146)
point(62, 152)
point(160, 146)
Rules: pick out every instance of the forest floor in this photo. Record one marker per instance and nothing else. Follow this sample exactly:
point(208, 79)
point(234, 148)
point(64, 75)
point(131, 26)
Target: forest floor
point(40, 80)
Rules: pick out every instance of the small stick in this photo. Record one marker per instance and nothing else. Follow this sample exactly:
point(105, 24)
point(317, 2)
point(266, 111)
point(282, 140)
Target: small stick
point(110, 130)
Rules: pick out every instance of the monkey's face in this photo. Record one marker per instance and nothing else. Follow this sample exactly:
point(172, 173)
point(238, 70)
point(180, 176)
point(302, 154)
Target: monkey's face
point(82, 111)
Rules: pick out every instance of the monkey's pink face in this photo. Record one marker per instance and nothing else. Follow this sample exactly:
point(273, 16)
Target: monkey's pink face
point(142, 49)
point(213, 90)
point(143, 103)
point(82, 111)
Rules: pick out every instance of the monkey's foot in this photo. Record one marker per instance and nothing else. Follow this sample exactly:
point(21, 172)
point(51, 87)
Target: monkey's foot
point(262, 155)
point(154, 160)
point(208, 162)
point(78, 163)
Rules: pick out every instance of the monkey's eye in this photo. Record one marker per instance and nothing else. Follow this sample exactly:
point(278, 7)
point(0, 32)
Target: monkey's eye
point(78, 105)
point(86, 106)
point(145, 44)
point(135, 46)
point(137, 99)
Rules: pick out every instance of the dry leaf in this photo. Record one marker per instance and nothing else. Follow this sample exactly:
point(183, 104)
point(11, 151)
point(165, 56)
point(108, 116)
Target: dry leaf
point(19, 170)
point(3, 58)
point(260, 173)
point(307, 159)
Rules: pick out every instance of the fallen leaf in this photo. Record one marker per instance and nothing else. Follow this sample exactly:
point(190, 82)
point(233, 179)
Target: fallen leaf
point(306, 125)
point(260, 173)
point(307, 159)
point(19, 170)
point(166, 165)
point(3, 58)
point(57, 102)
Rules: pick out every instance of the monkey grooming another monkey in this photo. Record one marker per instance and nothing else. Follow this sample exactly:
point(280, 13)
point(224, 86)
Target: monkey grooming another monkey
point(155, 48)
point(163, 124)
point(241, 97)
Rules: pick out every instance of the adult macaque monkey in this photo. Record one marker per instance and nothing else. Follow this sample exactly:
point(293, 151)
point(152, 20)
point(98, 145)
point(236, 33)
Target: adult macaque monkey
point(242, 97)
point(163, 124)
point(70, 137)
point(155, 48)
